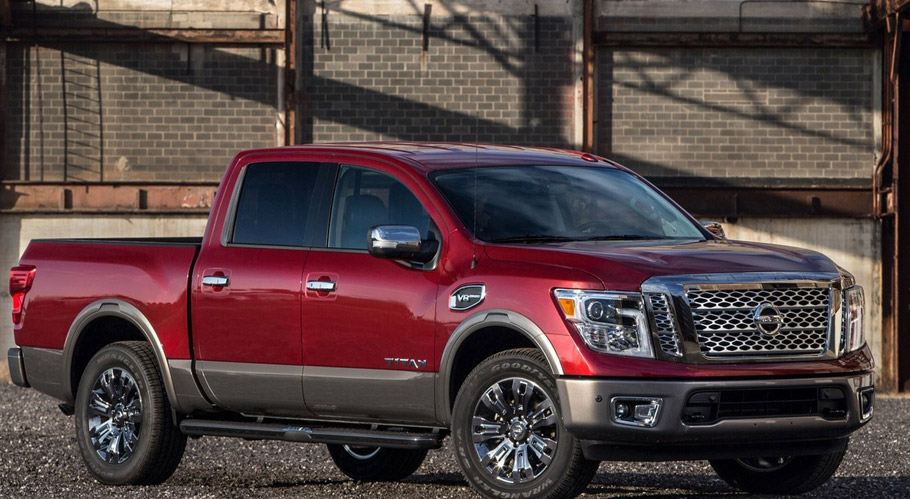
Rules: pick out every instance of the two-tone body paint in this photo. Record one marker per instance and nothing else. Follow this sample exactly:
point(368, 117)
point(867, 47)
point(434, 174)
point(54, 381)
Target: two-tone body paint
point(381, 308)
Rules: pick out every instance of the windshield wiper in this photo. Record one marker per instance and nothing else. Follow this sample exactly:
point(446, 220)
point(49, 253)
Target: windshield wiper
point(623, 237)
point(533, 238)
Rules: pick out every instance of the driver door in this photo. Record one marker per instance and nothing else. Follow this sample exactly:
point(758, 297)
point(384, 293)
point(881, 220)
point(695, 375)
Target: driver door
point(368, 322)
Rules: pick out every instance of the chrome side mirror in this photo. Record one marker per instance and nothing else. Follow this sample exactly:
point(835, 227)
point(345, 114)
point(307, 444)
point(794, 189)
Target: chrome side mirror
point(715, 228)
point(400, 242)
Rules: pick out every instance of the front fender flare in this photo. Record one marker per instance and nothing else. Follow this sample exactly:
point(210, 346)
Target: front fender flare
point(479, 320)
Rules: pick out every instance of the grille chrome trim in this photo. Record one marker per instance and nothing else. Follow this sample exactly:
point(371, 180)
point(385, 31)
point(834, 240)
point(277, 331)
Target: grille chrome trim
point(677, 289)
point(725, 326)
point(664, 322)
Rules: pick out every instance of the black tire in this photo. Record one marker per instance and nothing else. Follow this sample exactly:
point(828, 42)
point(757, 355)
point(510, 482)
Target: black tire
point(532, 421)
point(376, 464)
point(129, 367)
point(779, 475)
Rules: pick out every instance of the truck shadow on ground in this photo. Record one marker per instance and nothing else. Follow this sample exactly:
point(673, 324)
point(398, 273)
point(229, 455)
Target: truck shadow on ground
point(666, 485)
point(613, 484)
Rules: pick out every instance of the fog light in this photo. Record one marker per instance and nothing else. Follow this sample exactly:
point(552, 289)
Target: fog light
point(622, 411)
point(636, 411)
point(866, 403)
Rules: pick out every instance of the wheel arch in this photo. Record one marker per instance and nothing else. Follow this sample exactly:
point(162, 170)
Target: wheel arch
point(81, 331)
point(478, 323)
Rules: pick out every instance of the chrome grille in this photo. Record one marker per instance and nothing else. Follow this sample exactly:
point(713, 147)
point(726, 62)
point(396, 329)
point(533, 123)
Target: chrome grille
point(666, 327)
point(725, 327)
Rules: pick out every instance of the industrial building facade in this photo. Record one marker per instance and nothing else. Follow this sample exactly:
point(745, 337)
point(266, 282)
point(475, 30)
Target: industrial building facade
point(119, 116)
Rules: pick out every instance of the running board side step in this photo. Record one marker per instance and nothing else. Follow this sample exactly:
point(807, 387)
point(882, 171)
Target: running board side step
point(312, 434)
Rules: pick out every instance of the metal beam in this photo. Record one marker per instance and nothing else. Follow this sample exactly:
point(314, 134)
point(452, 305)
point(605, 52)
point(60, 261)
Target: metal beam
point(5, 20)
point(107, 197)
point(899, 261)
point(290, 73)
point(5, 17)
point(876, 12)
point(151, 35)
point(730, 40)
point(588, 76)
point(733, 202)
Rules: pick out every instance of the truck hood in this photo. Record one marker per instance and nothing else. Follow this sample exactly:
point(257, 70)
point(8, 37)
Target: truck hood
point(624, 265)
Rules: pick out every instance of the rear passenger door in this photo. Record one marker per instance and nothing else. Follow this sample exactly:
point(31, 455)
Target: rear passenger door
point(368, 323)
point(247, 289)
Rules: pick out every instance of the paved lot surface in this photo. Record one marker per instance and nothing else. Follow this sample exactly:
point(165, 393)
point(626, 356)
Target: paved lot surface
point(39, 458)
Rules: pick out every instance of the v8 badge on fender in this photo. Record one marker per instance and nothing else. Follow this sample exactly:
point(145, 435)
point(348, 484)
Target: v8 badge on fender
point(467, 297)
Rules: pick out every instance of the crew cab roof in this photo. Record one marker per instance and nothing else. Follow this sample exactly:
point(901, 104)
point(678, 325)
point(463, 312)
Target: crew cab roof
point(442, 155)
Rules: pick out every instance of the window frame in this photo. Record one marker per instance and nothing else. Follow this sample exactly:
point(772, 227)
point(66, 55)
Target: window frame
point(330, 208)
point(325, 179)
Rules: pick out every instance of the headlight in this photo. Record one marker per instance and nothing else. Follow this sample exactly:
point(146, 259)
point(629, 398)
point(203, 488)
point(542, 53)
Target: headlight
point(854, 322)
point(608, 322)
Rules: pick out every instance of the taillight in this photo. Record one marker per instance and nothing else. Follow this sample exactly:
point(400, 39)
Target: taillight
point(20, 281)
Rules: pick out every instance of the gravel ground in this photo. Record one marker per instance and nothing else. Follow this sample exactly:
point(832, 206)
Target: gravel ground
point(39, 458)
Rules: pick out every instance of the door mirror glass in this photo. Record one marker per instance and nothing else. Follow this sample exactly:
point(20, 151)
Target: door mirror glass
point(400, 242)
point(715, 228)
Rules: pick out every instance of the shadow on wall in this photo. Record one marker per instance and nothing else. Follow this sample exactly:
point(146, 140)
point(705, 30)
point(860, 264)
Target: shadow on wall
point(748, 112)
point(128, 111)
point(96, 111)
point(478, 77)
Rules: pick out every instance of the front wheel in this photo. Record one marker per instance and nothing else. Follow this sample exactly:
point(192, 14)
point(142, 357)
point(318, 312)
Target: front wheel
point(508, 433)
point(779, 474)
point(376, 464)
point(123, 419)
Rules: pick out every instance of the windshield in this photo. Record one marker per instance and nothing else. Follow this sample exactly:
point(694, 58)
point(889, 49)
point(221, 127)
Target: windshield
point(561, 203)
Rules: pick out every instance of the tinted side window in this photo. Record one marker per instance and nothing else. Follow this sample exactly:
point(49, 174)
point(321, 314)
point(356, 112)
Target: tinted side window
point(364, 198)
point(275, 202)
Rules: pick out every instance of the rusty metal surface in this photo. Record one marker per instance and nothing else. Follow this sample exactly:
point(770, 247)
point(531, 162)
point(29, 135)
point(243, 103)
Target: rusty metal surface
point(881, 176)
point(730, 40)
point(900, 331)
point(876, 12)
point(16, 197)
point(588, 77)
point(732, 202)
point(146, 35)
point(290, 74)
point(5, 17)
point(888, 189)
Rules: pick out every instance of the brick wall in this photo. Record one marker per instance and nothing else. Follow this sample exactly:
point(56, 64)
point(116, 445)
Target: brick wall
point(748, 113)
point(485, 77)
point(162, 112)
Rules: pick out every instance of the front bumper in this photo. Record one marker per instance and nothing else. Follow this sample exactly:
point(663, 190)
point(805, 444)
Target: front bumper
point(587, 414)
point(17, 367)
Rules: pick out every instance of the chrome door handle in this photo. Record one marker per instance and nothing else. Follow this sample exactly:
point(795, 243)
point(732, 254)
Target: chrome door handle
point(215, 281)
point(320, 285)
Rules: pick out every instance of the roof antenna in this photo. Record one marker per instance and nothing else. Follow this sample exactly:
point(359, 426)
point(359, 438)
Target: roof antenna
point(474, 229)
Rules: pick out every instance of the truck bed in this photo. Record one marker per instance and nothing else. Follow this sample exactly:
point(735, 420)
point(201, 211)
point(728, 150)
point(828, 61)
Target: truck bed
point(151, 274)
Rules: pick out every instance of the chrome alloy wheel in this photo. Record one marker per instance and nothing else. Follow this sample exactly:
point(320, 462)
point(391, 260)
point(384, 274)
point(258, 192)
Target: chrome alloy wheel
point(764, 464)
point(514, 429)
point(115, 415)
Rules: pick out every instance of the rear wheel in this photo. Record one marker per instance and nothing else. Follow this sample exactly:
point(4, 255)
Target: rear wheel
point(508, 433)
point(376, 464)
point(779, 474)
point(123, 418)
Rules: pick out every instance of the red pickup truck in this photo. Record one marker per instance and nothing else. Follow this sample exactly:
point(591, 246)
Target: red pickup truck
point(547, 309)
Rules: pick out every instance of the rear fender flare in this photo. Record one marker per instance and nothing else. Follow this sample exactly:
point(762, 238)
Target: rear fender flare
point(110, 307)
